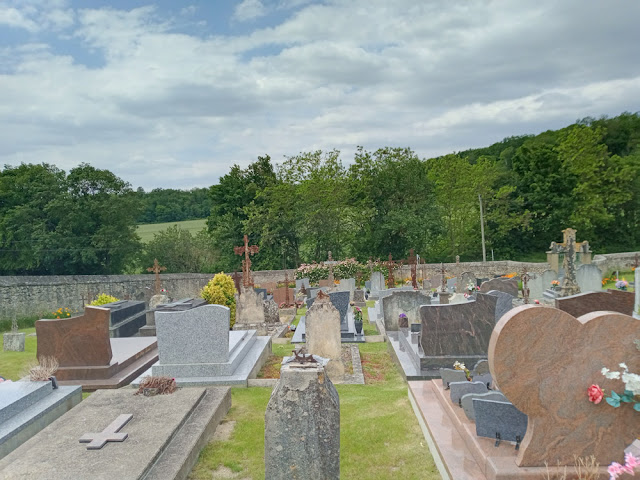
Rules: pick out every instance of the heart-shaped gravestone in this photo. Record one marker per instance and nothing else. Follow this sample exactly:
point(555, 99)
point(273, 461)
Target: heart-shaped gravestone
point(544, 360)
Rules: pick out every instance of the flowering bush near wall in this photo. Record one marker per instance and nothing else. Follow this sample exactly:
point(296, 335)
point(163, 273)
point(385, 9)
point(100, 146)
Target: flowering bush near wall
point(348, 268)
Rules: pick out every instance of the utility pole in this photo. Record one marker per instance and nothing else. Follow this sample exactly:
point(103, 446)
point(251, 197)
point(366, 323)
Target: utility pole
point(484, 250)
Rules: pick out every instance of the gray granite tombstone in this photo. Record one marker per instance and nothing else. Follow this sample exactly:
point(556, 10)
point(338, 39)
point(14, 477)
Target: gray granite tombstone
point(358, 296)
point(504, 303)
point(452, 285)
point(467, 402)
point(367, 284)
point(485, 378)
point(481, 367)
point(426, 285)
point(458, 389)
point(407, 302)
point(547, 277)
point(506, 285)
point(499, 420)
point(271, 311)
point(536, 287)
point(589, 278)
point(302, 282)
point(450, 375)
point(262, 292)
point(466, 279)
point(302, 425)
point(377, 282)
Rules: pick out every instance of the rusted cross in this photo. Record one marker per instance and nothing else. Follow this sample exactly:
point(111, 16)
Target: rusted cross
point(300, 357)
point(286, 288)
point(390, 264)
point(157, 269)
point(414, 267)
point(525, 287)
point(110, 434)
point(246, 250)
point(330, 262)
point(443, 287)
point(636, 263)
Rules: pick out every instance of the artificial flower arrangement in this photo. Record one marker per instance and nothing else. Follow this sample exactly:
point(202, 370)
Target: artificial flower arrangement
point(631, 394)
point(357, 314)
point(622, 284)
point(555, 284)
point(460, 366)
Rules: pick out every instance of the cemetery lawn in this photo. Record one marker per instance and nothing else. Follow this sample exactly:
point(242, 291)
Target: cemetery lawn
point(379, 434)
point(610, 280)
point(15, 365)
point(147, 230)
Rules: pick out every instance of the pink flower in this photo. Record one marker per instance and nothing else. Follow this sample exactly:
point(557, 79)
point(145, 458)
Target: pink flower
point(537, 302)
point(595, 394)
point(615, 470)
point(631, 461)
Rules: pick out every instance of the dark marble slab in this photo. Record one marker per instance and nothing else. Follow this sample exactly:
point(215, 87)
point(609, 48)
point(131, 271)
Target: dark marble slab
point(458, 329)
point(459, 389)
point(503, 418)
point(611, 301)
point(507, 285)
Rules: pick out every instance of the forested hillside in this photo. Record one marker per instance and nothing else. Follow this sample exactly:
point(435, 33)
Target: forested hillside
point(385, 201)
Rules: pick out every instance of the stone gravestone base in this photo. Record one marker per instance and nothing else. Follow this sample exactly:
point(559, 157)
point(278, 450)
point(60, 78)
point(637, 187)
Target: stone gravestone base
point(264, 329)
point(302, 425)
point(164, 439)
point(13, 342)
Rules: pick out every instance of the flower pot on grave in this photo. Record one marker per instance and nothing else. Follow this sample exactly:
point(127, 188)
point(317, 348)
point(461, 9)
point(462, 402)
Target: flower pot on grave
point(358, 325)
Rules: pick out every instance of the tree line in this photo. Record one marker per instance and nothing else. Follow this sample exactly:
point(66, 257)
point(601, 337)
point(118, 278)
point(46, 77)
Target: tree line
point(386, 201)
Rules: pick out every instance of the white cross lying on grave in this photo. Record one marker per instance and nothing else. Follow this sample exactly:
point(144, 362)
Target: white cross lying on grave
point(98, 440)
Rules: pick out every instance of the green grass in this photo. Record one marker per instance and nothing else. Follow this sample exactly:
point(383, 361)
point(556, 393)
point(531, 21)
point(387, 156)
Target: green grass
point(146, 231)
point(368, 328)
point(15, 365)
point(379, 434)
point(301, 313)
point(610, 279)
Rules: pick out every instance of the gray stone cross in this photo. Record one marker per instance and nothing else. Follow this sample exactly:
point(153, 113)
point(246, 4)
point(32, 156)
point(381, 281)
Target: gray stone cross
point(98, 440)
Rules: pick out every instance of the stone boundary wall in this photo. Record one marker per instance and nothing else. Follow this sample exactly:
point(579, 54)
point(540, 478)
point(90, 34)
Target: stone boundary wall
point(33, 295)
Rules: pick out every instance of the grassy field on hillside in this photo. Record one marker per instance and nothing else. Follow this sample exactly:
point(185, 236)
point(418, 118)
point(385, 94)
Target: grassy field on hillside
point(146, 231)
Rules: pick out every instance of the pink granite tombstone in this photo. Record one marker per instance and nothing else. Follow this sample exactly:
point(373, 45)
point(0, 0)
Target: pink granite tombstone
point(544, 360)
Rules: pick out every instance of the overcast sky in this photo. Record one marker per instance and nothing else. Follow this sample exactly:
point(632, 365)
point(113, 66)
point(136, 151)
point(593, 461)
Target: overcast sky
point(172, 93)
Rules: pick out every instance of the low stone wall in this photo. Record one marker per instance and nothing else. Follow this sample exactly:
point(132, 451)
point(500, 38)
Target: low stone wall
point(31, 295)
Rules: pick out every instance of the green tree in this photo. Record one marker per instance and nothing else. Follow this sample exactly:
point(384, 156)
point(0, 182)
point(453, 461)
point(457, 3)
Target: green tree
point(180, 251)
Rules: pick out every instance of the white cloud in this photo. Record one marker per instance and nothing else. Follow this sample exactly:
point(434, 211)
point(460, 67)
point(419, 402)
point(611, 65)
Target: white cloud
point(249, 10)
point(169, 109)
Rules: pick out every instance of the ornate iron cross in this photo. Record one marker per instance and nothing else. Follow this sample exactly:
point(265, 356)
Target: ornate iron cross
point(157, 269)
point(246, 250)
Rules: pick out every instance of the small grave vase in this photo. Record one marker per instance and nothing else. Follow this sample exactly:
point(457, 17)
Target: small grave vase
point(358, 325)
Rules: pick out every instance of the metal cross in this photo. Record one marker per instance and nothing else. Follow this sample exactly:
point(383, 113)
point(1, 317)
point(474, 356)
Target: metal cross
point(444, 279)
point(330, 261)
point(110, 434)
point(246, 250)
point(286, 288)
point(157, 269)
point(412, 261)
point(300, 357)
point(525, 288)
point(390, 264)
point(636, 263)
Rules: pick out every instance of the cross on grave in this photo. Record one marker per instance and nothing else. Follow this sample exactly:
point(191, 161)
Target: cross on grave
point(443, 287)
point(525, 288)
point(157, 269)
point(635, 264)
point(286, 288)
point(412, 260)
point(246, 250)
point(390, 264)
point(330, 263)
point(110, 434)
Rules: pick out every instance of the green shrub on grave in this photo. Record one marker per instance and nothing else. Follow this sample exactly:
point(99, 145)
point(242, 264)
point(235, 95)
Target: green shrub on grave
point(103, 299)
point(221, 291)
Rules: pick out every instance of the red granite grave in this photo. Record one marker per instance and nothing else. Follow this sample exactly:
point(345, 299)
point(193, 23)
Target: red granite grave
point(86, 354)
point(583, 303)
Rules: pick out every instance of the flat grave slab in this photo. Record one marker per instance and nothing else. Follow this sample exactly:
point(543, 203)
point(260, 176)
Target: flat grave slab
point(164, 439)
point(346, 336)
point(28, 407)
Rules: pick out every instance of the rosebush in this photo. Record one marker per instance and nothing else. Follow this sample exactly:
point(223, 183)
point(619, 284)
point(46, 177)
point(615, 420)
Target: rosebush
point(221, 291)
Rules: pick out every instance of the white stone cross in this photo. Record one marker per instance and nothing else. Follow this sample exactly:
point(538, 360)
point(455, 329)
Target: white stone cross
point(98, 440)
